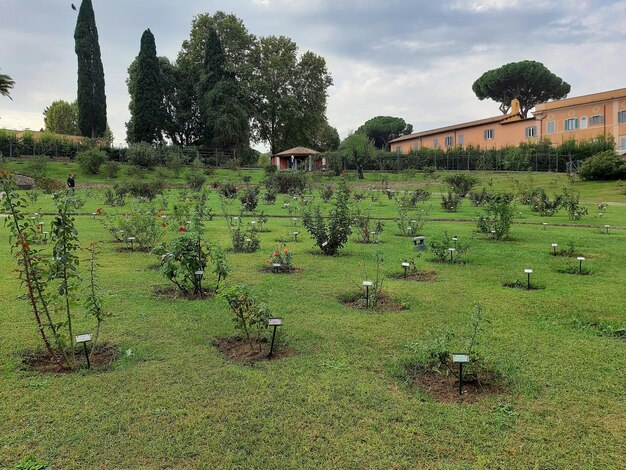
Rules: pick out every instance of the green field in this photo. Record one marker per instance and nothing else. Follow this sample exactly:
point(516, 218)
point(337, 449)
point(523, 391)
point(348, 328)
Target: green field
point(172, 400)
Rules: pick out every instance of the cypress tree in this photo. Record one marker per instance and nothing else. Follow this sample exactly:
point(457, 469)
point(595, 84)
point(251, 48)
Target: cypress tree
point(91, 98)
point(147, 113)
point(212, 73)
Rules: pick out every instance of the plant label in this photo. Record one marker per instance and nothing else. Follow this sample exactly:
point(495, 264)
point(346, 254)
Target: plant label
point(275, 322)
point(460, 358)
point(83, 338)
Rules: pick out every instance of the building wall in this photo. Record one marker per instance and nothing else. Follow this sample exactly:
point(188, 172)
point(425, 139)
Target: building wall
point(511, 133)
point(549, 121)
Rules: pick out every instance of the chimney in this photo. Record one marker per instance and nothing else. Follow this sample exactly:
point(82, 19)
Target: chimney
point(515, 109)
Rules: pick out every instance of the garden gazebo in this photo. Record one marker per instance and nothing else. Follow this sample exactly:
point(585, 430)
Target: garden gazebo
point(299, 158)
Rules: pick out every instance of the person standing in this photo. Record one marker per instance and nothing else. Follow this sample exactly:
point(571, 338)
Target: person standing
point(71, 184)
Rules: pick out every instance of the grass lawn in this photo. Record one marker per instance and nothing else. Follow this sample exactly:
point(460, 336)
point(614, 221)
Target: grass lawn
point(173, 401)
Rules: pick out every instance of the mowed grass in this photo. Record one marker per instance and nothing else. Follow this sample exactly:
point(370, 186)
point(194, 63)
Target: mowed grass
point(173, 401)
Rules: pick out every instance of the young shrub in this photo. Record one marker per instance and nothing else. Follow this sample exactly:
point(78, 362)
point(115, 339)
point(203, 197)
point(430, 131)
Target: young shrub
point(195, 181)
point(498, 216)
point(145, 189)
point(451, 202)
point(285, 182)
point(250, 316)
point(603, 166)
point(326, 193)
point(249, 198)
point(115, 196)
point(368, 230)
point(242, 235)
point(93, 298)
point(571, 202)
point(331, 236)
point(269, 197)
point(142, 155)
point(461, 183)
point(408, 226)
point(280, 256)
point(173, 161)
point(111, 169)
point(91, 160)
point(442, 253)
point(143, 224)
point(50, 185)
point(227, 189)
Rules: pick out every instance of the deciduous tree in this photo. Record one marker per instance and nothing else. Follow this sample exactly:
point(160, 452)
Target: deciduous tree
point(61, 117)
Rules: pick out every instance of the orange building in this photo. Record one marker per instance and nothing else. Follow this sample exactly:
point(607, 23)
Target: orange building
point(580, 118)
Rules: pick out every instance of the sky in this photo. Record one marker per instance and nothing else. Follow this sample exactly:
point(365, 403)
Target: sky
point(416, 59)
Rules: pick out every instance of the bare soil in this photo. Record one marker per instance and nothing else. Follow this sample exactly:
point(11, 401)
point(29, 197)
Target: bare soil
point(239, 350)
point(173, 293)
point(40, 360)
point(445, 388)
point(425, 275)
point(384, 303)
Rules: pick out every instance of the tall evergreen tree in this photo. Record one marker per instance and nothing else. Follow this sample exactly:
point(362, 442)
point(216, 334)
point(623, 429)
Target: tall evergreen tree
point(212, 73)
point(92, 107)
point(147, 113)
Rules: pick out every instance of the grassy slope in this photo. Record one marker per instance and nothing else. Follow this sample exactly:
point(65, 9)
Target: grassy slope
point(175, 402)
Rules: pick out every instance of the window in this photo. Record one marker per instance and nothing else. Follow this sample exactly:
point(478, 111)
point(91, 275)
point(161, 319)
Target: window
point(461, 139)
point(449, 141)
point(531, 131)
point(416, 146)
point(488, 134)
point(583, 123)
point(435, 143)
point(571, 124)
point(621, 117)
point(599, 119)
point(550, 127)
point(622, 142)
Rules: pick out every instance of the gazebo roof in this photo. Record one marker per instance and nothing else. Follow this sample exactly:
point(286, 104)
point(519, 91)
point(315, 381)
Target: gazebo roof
point(297, 151)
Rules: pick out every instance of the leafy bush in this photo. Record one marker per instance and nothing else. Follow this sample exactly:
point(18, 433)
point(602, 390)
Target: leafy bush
point(195, 181)
point(50, 185)
point(603, 166)
point(451, 202)
point(541, 203)
point(227, 189)
point(498, 216)
point(111, 169)
point(185, 256)
point(461, 183)
point(91, 160)
point(571, 202)
point(326, 193)
point(285, 182)
point(142, 154)
point(173, 160)
point(368, 229)
point(249, 198)
point(242, 235)
point(281, 255)
point(115, 196)
point(408, 226)
point(143, 224)
point(250, 316)
point(332, 235)
point(442, 253)
point(269, 197)
point(145, 189)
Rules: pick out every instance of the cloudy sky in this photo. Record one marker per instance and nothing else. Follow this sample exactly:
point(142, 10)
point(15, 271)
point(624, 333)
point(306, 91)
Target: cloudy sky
point(416, 59)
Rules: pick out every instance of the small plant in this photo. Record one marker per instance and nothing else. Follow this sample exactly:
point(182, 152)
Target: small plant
point(368, 229)
point(195, 181)
point(227, 190)
point(568, 252)
point(142, 155)
point(249, 198)
point(269, 197)
point(332, 235)
point(111, 169)
point(571, 202)
point(498, 216)
point(115, 196)
point(145, 190)
point(280, 256)
point(243, 235)
point(326, 193)
point(142, 223)
point(250, 316)
point(93, 298)
point(451, 202)
point(461, 183)
point(447, 250)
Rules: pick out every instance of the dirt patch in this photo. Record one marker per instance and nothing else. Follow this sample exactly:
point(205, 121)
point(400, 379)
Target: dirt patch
point(270, 270)
point(445, 388)
point(40, 360)
point(173, 293)
point(382, 304)
point(425, 275)
point(125, 249)
point(522, 285)
point(239, 350)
